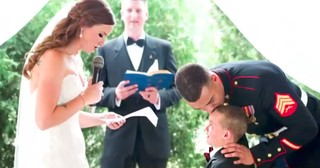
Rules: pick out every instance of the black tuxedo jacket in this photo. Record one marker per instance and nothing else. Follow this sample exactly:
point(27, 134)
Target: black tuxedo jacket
point(219, 161)
point(117, 61)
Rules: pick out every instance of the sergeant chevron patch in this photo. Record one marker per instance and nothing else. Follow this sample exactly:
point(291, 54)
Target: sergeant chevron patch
point(284, 104)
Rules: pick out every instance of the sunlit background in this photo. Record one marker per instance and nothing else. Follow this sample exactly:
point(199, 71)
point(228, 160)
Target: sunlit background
point(205, 31)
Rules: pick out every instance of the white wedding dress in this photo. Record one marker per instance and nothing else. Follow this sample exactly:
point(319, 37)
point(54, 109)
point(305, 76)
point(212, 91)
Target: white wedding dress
point(62, 146)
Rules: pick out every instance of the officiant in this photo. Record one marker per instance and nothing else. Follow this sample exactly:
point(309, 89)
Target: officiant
point(138, 141)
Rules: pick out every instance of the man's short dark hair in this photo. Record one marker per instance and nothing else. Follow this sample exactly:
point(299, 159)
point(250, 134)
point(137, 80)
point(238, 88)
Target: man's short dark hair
point(190, 79)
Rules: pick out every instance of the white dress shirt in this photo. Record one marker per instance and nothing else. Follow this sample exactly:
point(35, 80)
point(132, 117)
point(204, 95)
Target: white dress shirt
point(134, 51)
point(214, 151)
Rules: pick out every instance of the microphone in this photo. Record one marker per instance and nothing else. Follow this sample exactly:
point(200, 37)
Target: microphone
point(98, 63)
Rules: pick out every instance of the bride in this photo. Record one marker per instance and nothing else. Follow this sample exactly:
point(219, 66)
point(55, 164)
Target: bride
point(54, 90)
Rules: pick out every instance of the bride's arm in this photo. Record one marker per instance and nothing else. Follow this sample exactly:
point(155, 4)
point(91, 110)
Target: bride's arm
point(52, 70)
point(87, 120)
point(95, 119)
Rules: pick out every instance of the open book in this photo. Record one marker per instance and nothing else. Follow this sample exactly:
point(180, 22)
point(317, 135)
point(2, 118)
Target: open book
point(161, 79)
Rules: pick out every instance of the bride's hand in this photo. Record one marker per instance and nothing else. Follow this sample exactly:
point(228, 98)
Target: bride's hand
point(114, 120)
point(93, 93)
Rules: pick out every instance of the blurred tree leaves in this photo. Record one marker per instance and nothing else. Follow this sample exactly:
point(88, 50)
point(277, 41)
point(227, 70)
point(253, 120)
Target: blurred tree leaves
point(198, 31)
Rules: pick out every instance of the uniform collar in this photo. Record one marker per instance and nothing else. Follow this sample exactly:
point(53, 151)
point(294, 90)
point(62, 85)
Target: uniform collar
point(226, 81)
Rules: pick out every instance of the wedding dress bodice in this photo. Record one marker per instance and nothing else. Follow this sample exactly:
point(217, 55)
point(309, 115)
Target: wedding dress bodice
point(61, 146)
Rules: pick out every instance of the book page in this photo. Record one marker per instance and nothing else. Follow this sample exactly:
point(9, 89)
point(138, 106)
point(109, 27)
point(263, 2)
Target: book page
point(135, 72)
point(159, 72)
point(163, 71)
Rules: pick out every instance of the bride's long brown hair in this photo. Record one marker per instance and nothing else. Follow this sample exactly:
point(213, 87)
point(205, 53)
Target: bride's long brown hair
point(85, 13)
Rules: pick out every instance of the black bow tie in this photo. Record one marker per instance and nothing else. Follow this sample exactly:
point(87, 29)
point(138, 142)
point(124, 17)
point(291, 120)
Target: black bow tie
point(139, 42)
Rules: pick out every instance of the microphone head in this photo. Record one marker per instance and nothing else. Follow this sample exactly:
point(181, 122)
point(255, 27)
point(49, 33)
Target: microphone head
point(98, 61)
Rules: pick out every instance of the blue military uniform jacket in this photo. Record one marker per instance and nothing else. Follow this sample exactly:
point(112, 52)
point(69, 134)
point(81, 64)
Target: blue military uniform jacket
point(271, 102)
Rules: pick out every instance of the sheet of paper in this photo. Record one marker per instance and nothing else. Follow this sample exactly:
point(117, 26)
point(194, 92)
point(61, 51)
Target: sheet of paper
point(145, 112)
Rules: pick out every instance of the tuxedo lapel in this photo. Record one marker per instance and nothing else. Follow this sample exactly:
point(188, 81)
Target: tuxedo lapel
point(121, 53)
point(149, 55)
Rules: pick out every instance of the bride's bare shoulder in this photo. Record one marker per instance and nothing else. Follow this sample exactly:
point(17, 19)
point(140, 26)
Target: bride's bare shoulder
point(53, 59)
point(52, 54)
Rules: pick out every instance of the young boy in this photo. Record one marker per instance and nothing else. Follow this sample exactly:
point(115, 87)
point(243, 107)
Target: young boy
point(227, 124)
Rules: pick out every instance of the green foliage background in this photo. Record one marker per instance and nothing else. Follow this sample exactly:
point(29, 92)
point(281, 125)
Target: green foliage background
point(198, 31)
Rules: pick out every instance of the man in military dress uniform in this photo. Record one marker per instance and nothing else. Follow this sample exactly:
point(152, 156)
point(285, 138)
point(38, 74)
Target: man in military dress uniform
point(276, 107)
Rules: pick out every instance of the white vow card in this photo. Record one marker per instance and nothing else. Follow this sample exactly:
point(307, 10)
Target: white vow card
point(145, 112)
